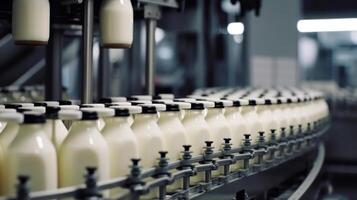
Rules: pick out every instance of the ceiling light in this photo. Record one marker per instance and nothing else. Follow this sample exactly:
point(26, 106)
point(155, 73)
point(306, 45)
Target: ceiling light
point(235, 28)
point(327, 25)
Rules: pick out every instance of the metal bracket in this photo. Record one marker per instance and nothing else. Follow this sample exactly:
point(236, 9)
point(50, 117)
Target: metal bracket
point(152, 12)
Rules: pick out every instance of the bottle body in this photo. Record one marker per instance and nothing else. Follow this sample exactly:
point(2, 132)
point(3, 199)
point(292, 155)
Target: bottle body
point(32, 154)
point(174, 132)
point(116, 23)
point(31, 21)
point(8, 134)
point(56, 131)
point(83, 147)
point(123, 146)
point(150, 139)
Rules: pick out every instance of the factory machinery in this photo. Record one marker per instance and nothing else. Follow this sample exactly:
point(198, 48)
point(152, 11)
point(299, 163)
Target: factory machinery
point(256, 165)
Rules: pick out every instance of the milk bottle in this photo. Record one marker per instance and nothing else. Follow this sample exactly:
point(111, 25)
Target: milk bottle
point(236, 122)
point(31, 21)
point(12, 120)
point(138, 102)
point(140, 97)
point(165, 96)
point(149, 135)
point(282, 119)
point(183, 107)
point(174, 132)
point(31, 153)
point(19, 105)
point(83, 147)
point(46, 103)
point(68, 123)
point(54, 127)
point(117, 104)
point(132, 109)
point(2, 171)
point(198, 131)
point(252, 120)
point(267, 118)
point(218, 124)
point(116, 23)
point(112, 100)
point(100, 122)
point(39, 109)
point(122, 143)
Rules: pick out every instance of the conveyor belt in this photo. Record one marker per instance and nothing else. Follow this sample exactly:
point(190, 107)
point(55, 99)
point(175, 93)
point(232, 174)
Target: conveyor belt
point(262, 175)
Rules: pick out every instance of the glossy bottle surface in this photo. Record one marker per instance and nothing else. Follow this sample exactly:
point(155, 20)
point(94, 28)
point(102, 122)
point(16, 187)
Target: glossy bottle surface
point(116, 23)
point(150, 138)
point(31, 21)
point(123, 146)
point(83, 147)
point(31, 153)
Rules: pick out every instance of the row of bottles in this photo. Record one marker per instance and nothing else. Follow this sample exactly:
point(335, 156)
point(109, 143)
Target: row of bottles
point(54, 142)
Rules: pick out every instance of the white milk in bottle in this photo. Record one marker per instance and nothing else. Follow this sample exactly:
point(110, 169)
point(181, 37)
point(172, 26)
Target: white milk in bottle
point(31, 21)
point(238, 126)
point(83, 147)
point(281, 117)
point(122, 143)
point(198, 132)
point(252, 120)
point(12, 120)
point(100, 122)
point(54, 126)
point(2, 171)
point(116, 23)
point(149, 135)
point(32, 154)
point(219, 126)
point(112, 100)
point(175, 134)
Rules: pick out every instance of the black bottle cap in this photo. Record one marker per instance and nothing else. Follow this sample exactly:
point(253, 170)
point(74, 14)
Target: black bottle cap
point(218, 104)
point(289, 100)
point(236, 103)
point(172, 107)
point(268, 102)
point(279, 101)
point(14, 106)
point(148, 109)
point(121, 112)
point(252, 102)
point(40, 104)
point(52, 112)
point(34, 118)
point(65, 102)
point(132, 98)
point(87, 115)
point(197, 106)
point(106, 100)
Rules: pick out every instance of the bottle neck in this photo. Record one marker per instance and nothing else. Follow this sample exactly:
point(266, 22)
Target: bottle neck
point(145, 117)
point(246, 109)
point(193, 113)
point(116, 120)
point(231, 110)
point(169, 115)
point(30, 129)
point(214, 111)
point(84, 124)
